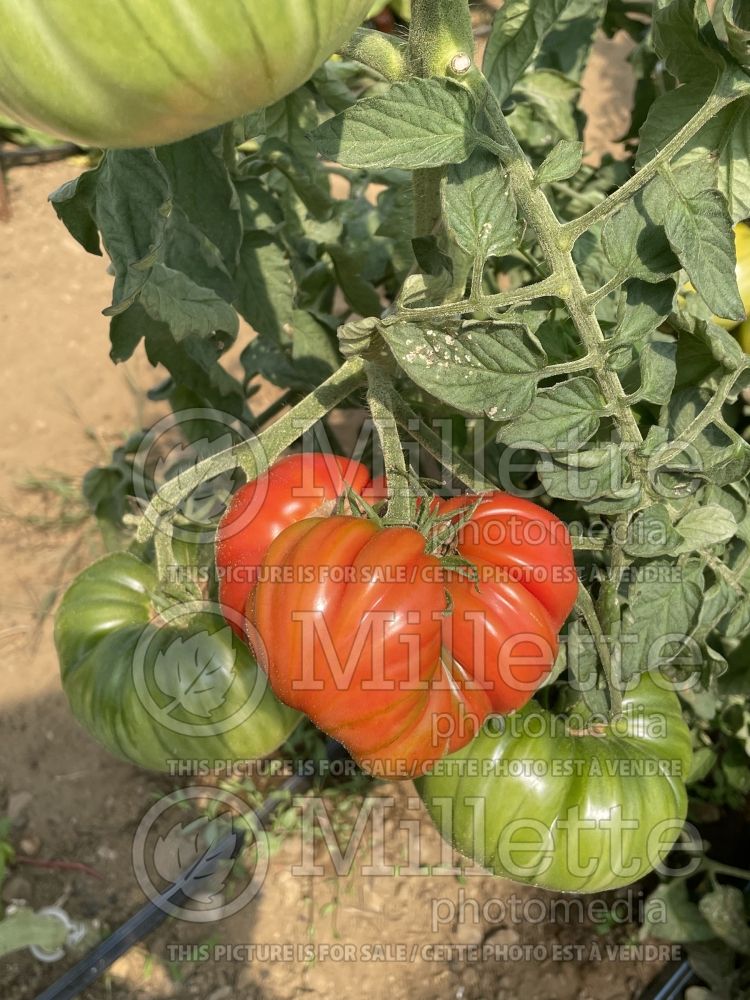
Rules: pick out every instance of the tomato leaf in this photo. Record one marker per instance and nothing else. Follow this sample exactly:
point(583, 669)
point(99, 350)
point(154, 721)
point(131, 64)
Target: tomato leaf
point(479, 207)
point(517, 35)
point(483, 370)
point(421, 123)
point(700, 232)
point(562, 162)
point(565, 416)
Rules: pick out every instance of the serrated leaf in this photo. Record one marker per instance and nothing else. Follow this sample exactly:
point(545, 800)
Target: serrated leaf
point(644, 309)
point(560, 418)
point(725, 139)
point(663, 600)
point(658, 371)
point(588, 474)
point(517, 34)
point(684, 921)
point(479, 206)
point(705, 526)
point(417, 124)
point(699, 230)
point(651, 533)
point(490, 372)
point(202, 187)
point(637, 248)
point(678, 41)
point(724, 910)
point(265, 286)
point(564, 161)
point(553, 98)
point(171, 297)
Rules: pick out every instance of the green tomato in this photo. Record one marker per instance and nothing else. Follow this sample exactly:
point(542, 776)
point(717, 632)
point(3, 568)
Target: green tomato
point(566, 804)
point(123, 73)
point(156, 681)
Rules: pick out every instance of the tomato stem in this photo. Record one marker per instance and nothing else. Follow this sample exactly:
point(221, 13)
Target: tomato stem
point(585, 607)
point(434, 445)
point(380, 399)
point(382, 53)
point(256, 454)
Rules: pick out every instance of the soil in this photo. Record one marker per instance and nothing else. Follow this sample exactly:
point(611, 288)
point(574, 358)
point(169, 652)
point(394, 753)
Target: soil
point(63, 406)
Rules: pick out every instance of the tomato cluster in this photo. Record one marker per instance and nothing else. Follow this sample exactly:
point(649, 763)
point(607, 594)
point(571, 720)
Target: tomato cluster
point(416, 646)
point(397, 652)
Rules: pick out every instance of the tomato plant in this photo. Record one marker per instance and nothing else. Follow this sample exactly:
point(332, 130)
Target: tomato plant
point(158, 681)
point(296, 487)
point(570, 809)
point(137, 74)
point(398, 656)
point(514, 320)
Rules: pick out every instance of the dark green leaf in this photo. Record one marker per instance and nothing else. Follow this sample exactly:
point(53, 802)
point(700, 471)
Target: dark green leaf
point(484, 371)
point(265, 286)
point(700, 232)
point(201, 186)
point(517, 34)
point(420, 123)
point(564, 161)
point(663, 599)
point(479, 207)
point(560, 418)
point(172, 298)
point(637, 248)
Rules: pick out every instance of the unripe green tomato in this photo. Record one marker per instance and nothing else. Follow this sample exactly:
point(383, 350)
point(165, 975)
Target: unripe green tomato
point(124, 73)
point(566, 808)
point(742, 333)
point(157, 681)
point(742, 270)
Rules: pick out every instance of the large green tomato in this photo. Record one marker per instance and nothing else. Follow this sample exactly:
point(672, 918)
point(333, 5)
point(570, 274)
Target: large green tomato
point(158, 682)
point(569, 805)
point(121, 73)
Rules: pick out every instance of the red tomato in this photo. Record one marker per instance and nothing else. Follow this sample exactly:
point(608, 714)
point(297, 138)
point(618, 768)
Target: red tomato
point(399, 655)
point(298, 486)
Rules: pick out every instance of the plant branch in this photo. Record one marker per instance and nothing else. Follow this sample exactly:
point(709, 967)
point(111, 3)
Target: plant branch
point(434, 445)
point(679, 140)
point(502, 300)
point(256, 454)
point(380, 399)
point(585, 607)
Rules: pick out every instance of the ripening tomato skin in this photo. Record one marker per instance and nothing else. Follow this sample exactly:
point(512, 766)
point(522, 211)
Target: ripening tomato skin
point(296, 487)
point(395, 654)
point(569, 809)
point(127, 73)
point(114, 626)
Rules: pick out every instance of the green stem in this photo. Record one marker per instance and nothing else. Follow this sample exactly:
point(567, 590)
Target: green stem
point(679, 140)
point(440, 34)
point(710, 413)
point(502, 300)
point(385, 54)
point(257, 454)
point(380, 399)
point(434, 445)
point(585, 607)
point(556, 247)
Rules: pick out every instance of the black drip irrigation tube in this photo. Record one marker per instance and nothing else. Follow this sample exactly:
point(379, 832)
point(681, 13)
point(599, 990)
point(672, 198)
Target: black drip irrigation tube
point(94, 964)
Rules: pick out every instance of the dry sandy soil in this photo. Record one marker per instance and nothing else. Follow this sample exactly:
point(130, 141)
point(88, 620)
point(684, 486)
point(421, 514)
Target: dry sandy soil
point(63, 405)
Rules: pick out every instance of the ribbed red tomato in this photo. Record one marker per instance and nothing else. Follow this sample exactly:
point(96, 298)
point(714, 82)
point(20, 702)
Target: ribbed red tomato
point(296, 487)
point(400, 653)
